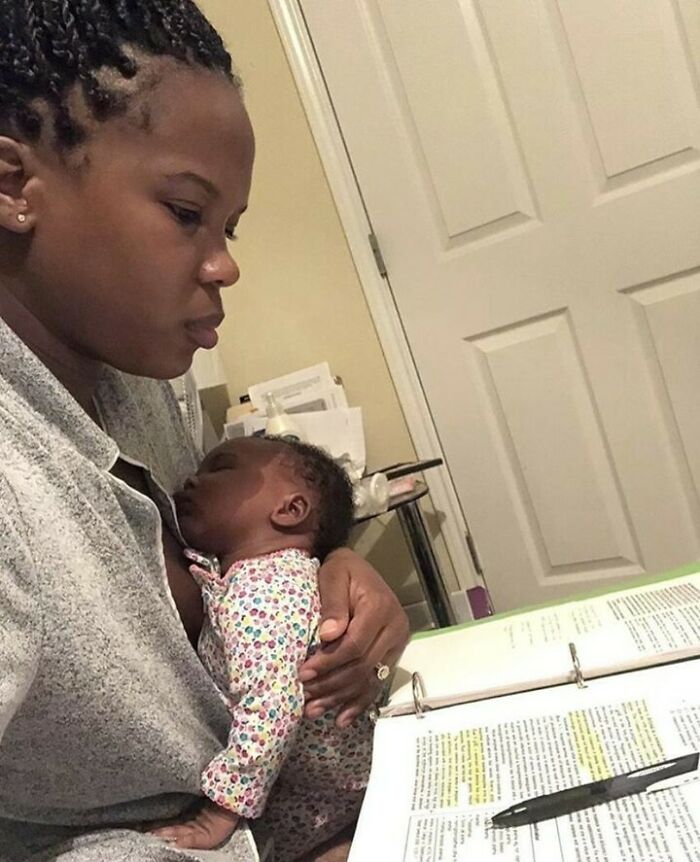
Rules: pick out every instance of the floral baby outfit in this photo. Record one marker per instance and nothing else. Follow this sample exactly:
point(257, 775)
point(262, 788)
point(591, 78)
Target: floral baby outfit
point(261, 624)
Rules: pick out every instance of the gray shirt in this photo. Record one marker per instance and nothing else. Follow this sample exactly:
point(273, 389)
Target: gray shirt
point(106, 714)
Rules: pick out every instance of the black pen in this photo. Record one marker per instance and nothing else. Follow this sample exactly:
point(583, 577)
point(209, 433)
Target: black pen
point(586, 795)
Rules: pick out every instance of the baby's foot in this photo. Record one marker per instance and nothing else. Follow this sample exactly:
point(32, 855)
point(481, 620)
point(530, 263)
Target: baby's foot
point(210, 828)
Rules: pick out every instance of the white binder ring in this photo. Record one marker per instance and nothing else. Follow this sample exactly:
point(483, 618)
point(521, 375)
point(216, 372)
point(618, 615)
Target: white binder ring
point(578, 674)
point(419, 706)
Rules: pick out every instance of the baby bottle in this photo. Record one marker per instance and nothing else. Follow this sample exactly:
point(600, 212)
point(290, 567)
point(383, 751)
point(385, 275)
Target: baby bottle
point(371, 495)
point(279, 423)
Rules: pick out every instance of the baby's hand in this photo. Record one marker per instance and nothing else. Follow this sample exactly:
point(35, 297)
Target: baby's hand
point(211, 827)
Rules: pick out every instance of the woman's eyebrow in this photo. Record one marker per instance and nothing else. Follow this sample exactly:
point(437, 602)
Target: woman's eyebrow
point(206, 184)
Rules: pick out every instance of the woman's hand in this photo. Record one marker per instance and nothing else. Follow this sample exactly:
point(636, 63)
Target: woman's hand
point(362, 625)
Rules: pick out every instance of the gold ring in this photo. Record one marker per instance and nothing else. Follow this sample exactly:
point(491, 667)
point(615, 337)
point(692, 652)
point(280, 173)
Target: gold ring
point(382, 671)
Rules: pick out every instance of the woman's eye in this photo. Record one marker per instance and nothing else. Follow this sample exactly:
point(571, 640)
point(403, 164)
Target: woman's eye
point(231, 234)
point(187, 217)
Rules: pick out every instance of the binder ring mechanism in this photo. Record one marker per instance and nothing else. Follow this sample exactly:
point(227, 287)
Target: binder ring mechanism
point(579, 679)
point(419, 706)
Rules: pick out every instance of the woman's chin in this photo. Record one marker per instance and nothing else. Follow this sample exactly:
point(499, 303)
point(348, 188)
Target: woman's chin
point(158, 367)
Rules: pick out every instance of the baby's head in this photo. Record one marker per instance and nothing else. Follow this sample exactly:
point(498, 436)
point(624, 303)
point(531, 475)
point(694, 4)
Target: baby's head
point(254, 495)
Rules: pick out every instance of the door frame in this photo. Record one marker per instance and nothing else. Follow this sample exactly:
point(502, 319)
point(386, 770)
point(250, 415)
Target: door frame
point(321, 117)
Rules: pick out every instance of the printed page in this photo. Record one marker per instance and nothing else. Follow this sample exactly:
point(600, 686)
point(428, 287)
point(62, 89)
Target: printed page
point(437, 781)
point(309, 389)
point(619, 630)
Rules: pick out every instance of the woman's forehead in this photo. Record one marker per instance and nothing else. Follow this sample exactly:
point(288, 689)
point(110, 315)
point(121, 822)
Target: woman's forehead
point(196, 100)
point(185, 120)
point(194, 111)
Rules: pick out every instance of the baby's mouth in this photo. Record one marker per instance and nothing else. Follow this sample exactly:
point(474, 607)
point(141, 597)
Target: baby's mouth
point(183, 503)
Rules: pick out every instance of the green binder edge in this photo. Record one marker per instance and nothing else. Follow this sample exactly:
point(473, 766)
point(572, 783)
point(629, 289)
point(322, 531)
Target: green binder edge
point(632, 583)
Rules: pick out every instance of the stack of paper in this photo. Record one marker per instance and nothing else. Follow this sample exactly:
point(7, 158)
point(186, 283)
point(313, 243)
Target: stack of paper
point(306, 391)
point(320, 409)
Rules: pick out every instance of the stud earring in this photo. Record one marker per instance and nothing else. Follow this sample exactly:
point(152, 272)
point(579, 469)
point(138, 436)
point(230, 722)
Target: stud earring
point(21, 218)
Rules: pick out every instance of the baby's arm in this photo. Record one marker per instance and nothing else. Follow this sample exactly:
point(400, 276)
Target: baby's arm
point(265, 620)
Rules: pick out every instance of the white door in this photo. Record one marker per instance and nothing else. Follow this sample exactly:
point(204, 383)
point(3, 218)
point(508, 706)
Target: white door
point(531, 169)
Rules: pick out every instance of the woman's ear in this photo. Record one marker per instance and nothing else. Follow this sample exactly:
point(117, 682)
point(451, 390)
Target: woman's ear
point(291, 511)
point(15, 214)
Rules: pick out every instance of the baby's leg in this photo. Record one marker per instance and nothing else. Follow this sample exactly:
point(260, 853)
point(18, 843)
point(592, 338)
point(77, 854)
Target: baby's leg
point(320, 788)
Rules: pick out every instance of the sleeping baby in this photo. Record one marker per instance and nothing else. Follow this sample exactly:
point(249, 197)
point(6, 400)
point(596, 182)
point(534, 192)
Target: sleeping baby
point(261, 513)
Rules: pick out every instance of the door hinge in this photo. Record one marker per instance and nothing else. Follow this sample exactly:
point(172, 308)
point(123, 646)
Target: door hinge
point(474, 554)
point(378, 256)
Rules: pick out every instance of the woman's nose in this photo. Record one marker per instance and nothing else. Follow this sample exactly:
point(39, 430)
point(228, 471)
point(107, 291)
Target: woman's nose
point(220, 269)
point(190, 482)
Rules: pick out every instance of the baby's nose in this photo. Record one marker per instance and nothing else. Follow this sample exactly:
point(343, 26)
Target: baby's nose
point(191, 482)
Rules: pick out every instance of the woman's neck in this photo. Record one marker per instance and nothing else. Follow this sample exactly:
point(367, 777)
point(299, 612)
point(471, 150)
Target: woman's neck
point(79, 374)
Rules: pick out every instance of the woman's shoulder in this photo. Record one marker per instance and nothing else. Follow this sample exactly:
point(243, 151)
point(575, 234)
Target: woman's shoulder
point(23, 437)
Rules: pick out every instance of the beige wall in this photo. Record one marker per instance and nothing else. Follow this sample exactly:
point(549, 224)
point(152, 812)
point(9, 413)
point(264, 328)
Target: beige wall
point(299, 300)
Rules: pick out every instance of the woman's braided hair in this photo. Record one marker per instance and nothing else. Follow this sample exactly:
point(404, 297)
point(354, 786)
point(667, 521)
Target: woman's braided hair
point(48, 46)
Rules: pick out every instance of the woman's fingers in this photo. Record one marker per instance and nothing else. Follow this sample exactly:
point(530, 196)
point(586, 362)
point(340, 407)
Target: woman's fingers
point(372, 617)
point(353, 687)
point(348, 686)
point(331, 657)
point(370, 629)
point(347, 711)
point(334, 588)
point(352, 677)
point(347, 664)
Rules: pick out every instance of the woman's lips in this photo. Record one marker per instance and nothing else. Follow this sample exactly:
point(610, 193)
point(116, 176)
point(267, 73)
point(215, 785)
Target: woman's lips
point(203, 330)
point(202, 335)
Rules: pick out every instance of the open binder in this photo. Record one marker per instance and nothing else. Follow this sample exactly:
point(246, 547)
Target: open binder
point(421, 705)
point(530, 703)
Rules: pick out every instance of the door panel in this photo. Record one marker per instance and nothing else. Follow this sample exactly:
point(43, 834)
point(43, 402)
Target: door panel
point(535, 370)
point(478, 182)
point(668, 314)
point(639, 112)
point(532, 172)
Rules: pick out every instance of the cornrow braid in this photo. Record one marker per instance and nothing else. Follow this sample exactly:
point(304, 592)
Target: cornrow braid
point(48, 46)
point(17, 73)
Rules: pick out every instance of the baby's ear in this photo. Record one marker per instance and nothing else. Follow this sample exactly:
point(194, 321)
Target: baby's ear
point(291, 511)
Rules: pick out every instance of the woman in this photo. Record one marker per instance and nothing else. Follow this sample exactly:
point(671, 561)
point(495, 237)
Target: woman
point(125, 163)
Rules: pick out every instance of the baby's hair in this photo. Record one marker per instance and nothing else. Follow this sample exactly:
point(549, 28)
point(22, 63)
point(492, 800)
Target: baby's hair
point(48, 46)
point(330, 482)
